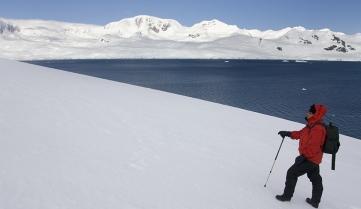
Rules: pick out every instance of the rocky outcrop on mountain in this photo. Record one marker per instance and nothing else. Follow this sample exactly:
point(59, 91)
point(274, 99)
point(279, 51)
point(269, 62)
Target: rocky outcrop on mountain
point(194, 35)
point(316, 37)
point(304, 41)
point(330, 48)
point(6, 27)
point(339, 46)
point(351, 48)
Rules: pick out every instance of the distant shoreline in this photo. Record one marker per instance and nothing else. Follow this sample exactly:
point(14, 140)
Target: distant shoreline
point(215, 59)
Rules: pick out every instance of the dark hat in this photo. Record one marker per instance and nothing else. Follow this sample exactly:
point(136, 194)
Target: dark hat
point(312, 109)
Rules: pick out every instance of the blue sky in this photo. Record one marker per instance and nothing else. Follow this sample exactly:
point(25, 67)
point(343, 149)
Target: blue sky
point(340, 15)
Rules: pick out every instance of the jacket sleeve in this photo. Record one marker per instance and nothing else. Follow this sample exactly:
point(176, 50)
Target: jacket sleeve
point(315, 142)
point(296, 134)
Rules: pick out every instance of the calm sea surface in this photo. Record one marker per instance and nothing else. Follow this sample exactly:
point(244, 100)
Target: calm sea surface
point(282, 89)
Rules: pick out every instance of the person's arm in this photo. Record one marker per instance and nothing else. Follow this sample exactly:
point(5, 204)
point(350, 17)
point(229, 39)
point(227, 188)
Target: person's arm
point(292, 134)
point(296, 134)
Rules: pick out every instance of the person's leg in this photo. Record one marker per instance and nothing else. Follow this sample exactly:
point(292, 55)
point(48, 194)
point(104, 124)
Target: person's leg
point(296, 170)
point(317, 187)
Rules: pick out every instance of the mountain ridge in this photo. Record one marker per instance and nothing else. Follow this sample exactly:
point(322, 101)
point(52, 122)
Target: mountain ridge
point(143, 33)
point(167, 19)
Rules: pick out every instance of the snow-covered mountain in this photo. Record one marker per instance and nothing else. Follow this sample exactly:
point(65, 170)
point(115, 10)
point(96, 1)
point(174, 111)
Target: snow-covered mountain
point(78, 142)
point(151, 37)
point(144, 26)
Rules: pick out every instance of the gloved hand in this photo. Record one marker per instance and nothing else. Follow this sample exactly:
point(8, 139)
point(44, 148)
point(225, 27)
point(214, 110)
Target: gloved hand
point(283, 134)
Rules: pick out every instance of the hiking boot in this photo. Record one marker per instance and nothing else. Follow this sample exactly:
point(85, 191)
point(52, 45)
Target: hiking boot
point(283, 198)
point(312, 203)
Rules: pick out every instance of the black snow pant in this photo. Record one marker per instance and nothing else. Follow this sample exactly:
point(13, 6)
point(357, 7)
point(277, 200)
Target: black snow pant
point(299, 168)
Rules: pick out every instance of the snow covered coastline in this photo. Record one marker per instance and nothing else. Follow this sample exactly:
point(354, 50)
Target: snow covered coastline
point(147, 37)
point(78, 142)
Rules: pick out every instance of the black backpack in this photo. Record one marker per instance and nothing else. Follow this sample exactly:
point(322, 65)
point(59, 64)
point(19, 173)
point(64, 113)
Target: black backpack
point(332, 142)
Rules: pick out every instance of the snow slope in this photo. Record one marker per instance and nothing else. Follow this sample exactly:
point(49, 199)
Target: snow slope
point(78, 142)
point(152, 37)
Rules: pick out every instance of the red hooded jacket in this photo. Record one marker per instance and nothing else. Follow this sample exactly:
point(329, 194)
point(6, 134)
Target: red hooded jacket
point(312, 137)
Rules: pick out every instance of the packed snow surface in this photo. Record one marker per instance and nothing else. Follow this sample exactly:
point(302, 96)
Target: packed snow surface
point(152, 37)
point(78, 142)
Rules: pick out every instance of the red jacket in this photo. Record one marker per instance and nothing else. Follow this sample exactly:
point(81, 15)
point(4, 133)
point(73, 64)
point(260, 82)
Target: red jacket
point(312, 137)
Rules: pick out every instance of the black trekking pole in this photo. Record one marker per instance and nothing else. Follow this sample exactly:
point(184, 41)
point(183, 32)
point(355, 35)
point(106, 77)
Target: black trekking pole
point(283, 138)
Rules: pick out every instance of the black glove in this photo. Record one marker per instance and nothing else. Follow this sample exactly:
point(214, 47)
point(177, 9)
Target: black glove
point(283, 134)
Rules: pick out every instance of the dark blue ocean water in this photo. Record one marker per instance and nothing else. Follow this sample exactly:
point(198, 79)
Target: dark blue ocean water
point(275, 88)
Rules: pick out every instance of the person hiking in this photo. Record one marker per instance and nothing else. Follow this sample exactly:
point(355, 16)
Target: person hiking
point(311, 140)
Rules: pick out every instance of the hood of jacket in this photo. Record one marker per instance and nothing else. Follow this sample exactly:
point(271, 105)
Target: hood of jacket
point(321, 111)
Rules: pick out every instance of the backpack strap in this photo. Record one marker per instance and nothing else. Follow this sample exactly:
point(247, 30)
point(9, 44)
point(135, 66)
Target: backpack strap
point(333, 161)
